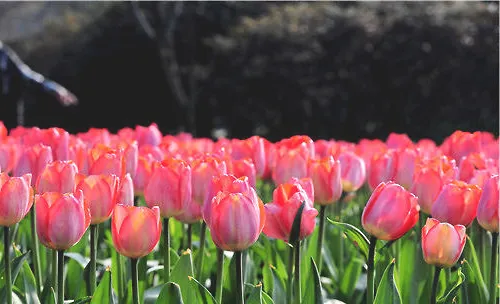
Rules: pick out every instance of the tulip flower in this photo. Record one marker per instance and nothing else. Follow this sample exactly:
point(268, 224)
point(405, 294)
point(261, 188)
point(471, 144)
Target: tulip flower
point(252, 148)
point(390, 212)
point(353, 171)
point(460, 144)
point(33, 160)
point(129, 222)
point(148, 135)
point(457, 203)
point(442, 243)
point(281, 212)
point(290, 159)
point(244, 167)
point(143, 173)
point(100, 192)
point(125, 195)
point(405, 169)
point(235, 220)
point(169, 188)
point(398, 141)
point(105, 160)
point(9, 154)
point(383, 168)
point(58, 176)
point(16, 198)
point(487, 209)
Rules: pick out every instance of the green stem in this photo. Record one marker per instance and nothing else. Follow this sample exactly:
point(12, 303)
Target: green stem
point(297, 281)
point(340, 240)
point(189, 232)
point(60, 277)
point(494, 266)
point(119, 274)
point(91, 283)
point(35, 254)
point(435, 284)
point(239, 277)
point(321, 236)
point(201, 252)
point(220, 270)
point(166, 250)
point(289, 290)
point(135, 289)
point(8, 280)
point(54, 269)
point(370, 293)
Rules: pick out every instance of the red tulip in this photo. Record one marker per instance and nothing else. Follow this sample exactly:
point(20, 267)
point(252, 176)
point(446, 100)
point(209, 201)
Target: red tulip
point(487, 209)
point(33, 160)
point(457, 203)
point(352, 171)
point(16, 198)
point(169, 187)
point(390, 212)
point(442, 243)
point(61, 219)
point(325, 175)
point(58, 176)
point(235, 219)
point(135, 230)
point(460, 144)
point(280, 213)
point(100, 193)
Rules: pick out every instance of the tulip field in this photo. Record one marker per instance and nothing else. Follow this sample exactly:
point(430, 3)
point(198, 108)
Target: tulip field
point(145, 217)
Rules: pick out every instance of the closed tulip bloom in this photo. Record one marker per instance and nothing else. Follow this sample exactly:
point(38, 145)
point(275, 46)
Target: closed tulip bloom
point(457, 203)
point(100, 193)
point(9, 155)
point(407, 160)
point(78, 152)
point(280, 213)
point(130, 156)
point(58, 176)
point(33, 160)
point(135, 230)
point(487, 209)
point(61, 219)
point(169, 187)
point(352, 171)
point(236, 219)
point(390, 212)
point(125, 195)
point(367, 148)
point(325, 175)
point(384, 167)
point(460, 144)
point(442, 243)
point(143, 173)
point(16, 198)
point(291, 163)
point(252, 148)
point(105, 160)
point(427, 185)
point(244, 167)
point(398, 141)
point(469, 164)
point(148, 135)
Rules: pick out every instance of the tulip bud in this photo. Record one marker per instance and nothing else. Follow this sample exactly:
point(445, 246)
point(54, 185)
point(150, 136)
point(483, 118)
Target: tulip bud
point(442, 243)
point(457, 203)
point(325, 175)
point(61, 219)
point(390, 212)
point(135, 230)
point(58, 176)
point(280, 213)
point(352, 171)
point(100, 193)
point(16, 198)
point(487, 209)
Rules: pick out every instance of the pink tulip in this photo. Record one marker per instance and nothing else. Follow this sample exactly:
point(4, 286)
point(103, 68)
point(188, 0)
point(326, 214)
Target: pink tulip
point(16, 198)
point(33, 160)
point(280, 213)
point(353, 171)
point(135, 230)
point(100, 193)
point(58, 176)
point(325, 175)
point(442, 243)
point(487, 209)
point(383, 168)
point(244, 167)
point(390, 212)
point(125, 195)
point(61, 219)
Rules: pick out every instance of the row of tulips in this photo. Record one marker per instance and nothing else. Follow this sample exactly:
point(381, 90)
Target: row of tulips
point(82, 180)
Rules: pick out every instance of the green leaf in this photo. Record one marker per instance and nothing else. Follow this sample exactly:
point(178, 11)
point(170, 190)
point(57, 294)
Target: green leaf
point(387, 291)
point(313, 293)
point(16, 265)
point(80, 259)
point(104, 291)
point(204, 296)
point(351, 276)
point(448, 298)
point(255, 295)
point(29, 285)
point(83, 300)
point(151, 294)
point(295, 232)
point(279, 292)
point(355, 236)
point(52, 297)
point(476, 287)
point(266, 299)
point(413, 271)
point(170, 294)
point(181, 274)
